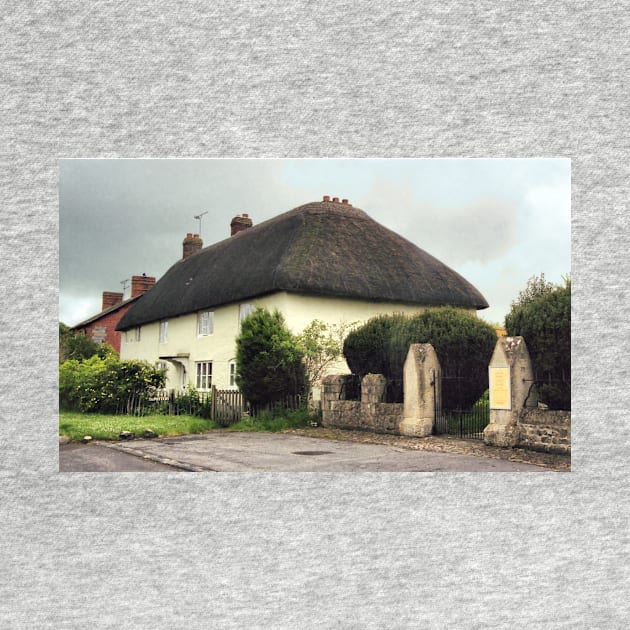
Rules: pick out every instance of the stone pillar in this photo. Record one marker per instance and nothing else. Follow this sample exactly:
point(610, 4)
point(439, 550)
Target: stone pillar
point(419, 374)
point(332, 390)
point(373, 388)
point(511, 379)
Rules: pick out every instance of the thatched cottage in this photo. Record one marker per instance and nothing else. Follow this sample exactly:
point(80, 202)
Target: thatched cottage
point(324, 260)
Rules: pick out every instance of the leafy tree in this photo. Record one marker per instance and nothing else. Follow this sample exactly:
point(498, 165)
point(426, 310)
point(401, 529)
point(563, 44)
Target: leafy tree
point(78, 346)
point(462, 342)
point(536, 286)
point(543, 318)
point(322, 346)
point(269, 363)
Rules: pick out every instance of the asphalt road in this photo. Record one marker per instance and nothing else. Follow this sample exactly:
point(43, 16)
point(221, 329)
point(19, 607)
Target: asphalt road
point(95, 458)
point(269, 452)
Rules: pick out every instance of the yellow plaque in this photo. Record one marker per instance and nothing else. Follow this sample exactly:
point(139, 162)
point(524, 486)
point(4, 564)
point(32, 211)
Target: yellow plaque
point(500, 388)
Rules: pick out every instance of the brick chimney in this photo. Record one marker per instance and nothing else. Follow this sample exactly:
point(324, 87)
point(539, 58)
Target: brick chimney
point(191, 244)
point(141, 284)
point(240, 223)
point(111, 299)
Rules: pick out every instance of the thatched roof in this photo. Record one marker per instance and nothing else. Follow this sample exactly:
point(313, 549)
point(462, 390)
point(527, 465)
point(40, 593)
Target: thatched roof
point(321, 248)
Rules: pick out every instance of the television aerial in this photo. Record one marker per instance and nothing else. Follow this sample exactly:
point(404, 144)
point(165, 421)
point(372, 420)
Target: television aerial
point(198, 217)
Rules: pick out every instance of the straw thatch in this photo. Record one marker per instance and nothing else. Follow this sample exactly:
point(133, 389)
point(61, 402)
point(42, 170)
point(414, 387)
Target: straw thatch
point(321, 248)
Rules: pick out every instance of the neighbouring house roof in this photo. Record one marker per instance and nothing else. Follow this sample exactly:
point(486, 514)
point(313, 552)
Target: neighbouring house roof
point(321, 248)
point(107, 311)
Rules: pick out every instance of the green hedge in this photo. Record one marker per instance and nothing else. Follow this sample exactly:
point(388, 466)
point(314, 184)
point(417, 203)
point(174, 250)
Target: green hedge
point(543, 318)
point(462, 342)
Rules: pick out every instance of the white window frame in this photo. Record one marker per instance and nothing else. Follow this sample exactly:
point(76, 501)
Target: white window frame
point(203, 374)
point(138, 333)
point(232, 373)
point(164, 331)
point(205, 323)
point(243, 311)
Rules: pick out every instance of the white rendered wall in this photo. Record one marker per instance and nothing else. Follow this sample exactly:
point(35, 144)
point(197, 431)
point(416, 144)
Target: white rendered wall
point(220, 347)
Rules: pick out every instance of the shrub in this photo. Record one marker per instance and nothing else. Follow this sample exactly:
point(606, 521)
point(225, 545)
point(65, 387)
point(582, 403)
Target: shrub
point(268, 361)
point(462, 342)
point(105, 385)
point(543, 318)
point(78, 346)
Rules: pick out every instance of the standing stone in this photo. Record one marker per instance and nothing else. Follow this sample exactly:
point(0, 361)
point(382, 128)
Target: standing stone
point(510, 353)
point(419, 374)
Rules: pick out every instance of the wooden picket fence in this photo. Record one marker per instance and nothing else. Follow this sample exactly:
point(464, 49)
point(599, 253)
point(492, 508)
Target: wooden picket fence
point(166, 402)
point(228, 406)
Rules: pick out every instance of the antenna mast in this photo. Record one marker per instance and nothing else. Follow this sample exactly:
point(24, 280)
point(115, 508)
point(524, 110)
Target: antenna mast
point(124, 283)
point(198, 217)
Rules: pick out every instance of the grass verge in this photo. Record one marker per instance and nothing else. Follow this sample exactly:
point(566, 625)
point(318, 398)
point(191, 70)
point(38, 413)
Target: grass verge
point(268, 421)
point(108, 427)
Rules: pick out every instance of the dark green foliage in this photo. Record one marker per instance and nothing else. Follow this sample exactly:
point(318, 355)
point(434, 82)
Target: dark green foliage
point(544, 320)
point(78, 346)
point(105, 385)
point(269, 364)
point(462, 342)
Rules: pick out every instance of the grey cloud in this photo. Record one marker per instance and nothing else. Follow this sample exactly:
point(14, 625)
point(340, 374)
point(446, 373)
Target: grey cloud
point(481, 231)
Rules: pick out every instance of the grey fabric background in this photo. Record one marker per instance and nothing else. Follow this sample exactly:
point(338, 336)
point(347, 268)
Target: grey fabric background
point(307, 550)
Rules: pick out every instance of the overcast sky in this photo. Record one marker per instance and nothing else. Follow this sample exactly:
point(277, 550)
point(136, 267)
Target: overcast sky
point(497, 222)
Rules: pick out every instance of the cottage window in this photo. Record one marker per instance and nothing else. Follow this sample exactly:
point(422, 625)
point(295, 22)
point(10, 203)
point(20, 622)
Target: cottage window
point(163, 332)
point(204, 374)
point(205, 323)
point(232, 373)
point(244, 310)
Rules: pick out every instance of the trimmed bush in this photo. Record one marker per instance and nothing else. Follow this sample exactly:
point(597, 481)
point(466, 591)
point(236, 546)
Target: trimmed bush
point(542, 315)
point(462, 342)
point(269, 363)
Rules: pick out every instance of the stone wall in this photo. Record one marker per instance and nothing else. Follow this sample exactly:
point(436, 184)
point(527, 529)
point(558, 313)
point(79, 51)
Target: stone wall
point(414, 418)
point(352, 414)
point(545, 430)
point(520, 422)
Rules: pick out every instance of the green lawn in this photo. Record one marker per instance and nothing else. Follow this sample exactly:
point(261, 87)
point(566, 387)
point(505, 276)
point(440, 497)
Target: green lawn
point(107, 427)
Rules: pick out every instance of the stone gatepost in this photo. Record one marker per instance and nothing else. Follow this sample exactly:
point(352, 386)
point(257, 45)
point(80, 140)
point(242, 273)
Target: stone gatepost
point(332, 390)
point(511, 380)
point(419, 374)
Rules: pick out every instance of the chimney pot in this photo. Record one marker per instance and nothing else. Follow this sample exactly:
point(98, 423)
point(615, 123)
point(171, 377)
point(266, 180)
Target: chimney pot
point(240, 223)
point(326, 198)
point(336, 199)
point(344, 201)
point(245, 215)
point(191, 245)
